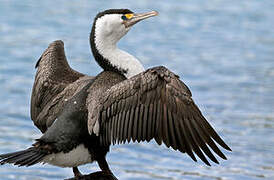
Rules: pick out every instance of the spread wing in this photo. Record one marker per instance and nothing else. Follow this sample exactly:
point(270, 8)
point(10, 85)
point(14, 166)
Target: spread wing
point(155, 104)
point(52, 77)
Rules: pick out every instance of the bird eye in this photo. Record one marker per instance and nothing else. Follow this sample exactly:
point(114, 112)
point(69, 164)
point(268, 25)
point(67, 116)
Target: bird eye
point(124, 17)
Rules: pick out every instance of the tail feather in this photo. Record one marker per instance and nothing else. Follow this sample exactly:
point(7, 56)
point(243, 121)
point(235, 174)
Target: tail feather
point(35, 160)
point(19, 158)
point(26, 157)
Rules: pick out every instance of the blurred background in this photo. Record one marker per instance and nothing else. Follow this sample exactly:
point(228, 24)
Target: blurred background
point(222, 49)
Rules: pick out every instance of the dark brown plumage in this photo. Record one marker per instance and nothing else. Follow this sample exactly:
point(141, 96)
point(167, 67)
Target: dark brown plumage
point(126, 112)
point(55, 82)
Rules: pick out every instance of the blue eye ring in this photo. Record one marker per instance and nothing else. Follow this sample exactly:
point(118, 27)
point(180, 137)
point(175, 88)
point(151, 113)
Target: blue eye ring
point(124, 17)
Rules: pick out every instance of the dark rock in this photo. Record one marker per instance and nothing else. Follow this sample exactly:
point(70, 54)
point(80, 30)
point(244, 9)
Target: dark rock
point(100, 175)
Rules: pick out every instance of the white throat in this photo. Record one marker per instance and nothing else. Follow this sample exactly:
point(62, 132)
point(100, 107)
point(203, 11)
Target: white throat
point(106, 38)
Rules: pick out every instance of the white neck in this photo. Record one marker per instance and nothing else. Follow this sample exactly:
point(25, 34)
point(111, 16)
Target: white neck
point(120, 59)
point(105, 41)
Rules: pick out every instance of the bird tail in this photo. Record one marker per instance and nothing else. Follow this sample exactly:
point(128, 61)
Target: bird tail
point(26, 157)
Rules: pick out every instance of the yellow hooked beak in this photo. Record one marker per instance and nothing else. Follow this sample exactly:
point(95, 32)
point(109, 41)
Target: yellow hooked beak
point(132, 19)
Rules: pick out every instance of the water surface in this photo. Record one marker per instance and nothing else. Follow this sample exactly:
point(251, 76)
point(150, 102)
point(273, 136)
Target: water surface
point(223, 50)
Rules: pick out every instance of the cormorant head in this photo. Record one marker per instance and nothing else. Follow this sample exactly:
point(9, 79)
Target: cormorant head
point(113, 24)
point(108, 28)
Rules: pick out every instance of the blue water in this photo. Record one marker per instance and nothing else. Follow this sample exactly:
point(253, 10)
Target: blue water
point(222, 49)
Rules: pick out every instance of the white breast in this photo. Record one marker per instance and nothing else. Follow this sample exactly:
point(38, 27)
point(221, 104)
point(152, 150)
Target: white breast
point(76, 157)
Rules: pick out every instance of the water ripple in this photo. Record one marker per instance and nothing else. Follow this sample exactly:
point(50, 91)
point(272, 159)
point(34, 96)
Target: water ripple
point(223, 50)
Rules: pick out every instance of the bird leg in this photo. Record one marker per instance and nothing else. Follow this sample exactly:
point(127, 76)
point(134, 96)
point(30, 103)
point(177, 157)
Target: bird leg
point(76, 172)
point(105, 174)
point(104, 165)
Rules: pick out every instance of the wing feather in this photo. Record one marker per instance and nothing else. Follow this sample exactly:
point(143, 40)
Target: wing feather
point(140, 123)
point(50, 86)
point(156, 104)
point(145, 124)
point(135, 125)
point(172, 130)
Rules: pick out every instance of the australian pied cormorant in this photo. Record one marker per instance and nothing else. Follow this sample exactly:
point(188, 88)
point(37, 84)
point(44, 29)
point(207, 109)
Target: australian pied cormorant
point(81, 116)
